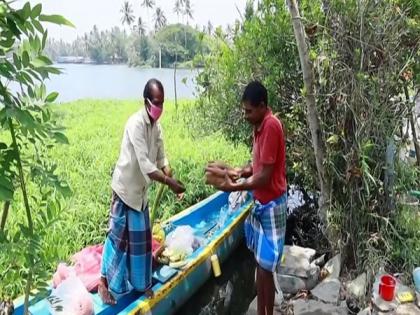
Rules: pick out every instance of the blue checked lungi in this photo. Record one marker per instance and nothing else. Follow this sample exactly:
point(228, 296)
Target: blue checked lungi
point(127, 253)
point(265, 230)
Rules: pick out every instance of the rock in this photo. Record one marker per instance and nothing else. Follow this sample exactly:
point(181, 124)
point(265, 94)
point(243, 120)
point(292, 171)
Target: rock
point(357, 287)
point(320, 261)
point(311, 307)
point(290, 284)
point(333, 266)
point(313, 277)
point(227, 294)
point(297, 261)
point(327, 291)
point(253, 307)
point(352, 305)
point(407, 309)
point(383, 306)
point(366, 311)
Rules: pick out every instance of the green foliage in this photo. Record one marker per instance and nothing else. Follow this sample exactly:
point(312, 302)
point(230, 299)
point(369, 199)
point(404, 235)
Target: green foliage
point(134, 48)
point(29, 178)
point(363, 54)
point(94, 130)
point(177, 39)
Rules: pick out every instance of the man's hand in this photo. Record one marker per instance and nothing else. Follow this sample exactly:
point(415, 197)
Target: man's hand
point(226, 185)
point(167, 171)
point(175, 185)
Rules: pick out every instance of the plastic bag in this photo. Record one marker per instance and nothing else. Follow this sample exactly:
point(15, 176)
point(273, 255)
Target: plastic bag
point(181, 240)
point(237, 199)
point(87, 266)
point(70, 298)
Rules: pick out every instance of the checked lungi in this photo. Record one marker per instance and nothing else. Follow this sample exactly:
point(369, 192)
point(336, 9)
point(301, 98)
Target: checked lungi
point(265, 229)
point(127, 254)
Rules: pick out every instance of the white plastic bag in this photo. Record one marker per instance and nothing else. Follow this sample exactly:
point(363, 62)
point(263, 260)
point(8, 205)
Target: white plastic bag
point(70, 298)
point(237, 199)
point(181, 240)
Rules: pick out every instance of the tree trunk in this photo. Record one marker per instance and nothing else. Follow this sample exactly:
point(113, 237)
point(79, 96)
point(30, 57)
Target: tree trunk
point(4, 215)
point(312, 114)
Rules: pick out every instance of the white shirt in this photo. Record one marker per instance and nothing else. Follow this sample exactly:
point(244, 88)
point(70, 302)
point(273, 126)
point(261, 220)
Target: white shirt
point(142, 153)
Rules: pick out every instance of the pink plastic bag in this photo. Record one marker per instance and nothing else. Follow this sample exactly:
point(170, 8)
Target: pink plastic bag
point(70, 298)
point(87, 267)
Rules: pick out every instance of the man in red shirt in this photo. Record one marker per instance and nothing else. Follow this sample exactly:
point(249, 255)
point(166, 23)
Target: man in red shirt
point(266, 225)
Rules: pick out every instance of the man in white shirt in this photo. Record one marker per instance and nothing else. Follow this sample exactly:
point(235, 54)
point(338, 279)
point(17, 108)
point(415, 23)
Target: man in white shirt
point(127, 254)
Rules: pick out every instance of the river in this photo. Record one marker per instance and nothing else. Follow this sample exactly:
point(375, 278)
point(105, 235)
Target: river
point(117, 82)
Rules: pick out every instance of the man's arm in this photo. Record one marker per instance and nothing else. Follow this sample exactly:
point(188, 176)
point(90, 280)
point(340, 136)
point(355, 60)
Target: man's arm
point(257, 180)
point(149, 170)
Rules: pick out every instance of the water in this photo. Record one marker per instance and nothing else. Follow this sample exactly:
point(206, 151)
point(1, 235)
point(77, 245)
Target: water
point(117, 82)
point(231, 293)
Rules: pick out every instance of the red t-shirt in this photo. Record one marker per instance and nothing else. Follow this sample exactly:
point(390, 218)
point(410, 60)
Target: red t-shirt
point(269, 148)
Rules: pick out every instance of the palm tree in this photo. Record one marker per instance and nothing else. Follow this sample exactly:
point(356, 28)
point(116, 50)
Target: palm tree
point(148, 4)
point(140, 27)
point(209, 28)
point(160, 19)
point(127, 14)
point(188, 12)
point(178, 8)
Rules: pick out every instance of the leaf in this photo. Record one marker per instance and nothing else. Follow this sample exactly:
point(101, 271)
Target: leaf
point(16, 61)
point(51, 97)
point(44, 39)
point(24, 117)
point(36, 11)
point(6, 189)
point(56, 19)
point(60, 138)
point(25, 58)
point(45, 59)
point(38, 62)
point(333, 139)
point(8, 42)
point(13, 27)
point(35, 43)
point(38, 26)
point(29, 26)
point(26, 10)
point(65, 190)
point(52, 70)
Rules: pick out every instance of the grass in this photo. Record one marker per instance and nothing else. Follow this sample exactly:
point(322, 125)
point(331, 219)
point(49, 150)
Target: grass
point(94, 129)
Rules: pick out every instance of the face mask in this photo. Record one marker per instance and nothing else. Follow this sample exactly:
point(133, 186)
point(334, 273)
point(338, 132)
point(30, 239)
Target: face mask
point(154, 111)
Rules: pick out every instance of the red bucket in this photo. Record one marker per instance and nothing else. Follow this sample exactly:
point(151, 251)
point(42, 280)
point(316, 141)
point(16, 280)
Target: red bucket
point(387, 287)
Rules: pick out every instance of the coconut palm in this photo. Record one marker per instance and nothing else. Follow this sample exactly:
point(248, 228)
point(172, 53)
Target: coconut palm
point(148, 5)
point(178, 8)
point(127, 14)
point(209, 28)
point(140, 27)
point(188, 12)
point(160, 19)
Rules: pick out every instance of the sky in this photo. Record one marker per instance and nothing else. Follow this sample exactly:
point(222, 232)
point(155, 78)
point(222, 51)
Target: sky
point(106, 13)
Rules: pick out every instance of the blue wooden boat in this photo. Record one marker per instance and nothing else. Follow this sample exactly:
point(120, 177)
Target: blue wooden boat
point(220, 239)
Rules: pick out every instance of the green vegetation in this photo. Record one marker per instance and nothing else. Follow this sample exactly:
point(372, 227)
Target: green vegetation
point(28, 132)
point(177, 42)
point(364, 56)
point(94, 130)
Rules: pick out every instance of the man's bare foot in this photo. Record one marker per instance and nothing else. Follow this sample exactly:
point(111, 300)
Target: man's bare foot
point(104, 294)
point(149, 293)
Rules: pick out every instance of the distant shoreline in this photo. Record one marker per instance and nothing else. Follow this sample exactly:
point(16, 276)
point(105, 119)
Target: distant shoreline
point(179, 67)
